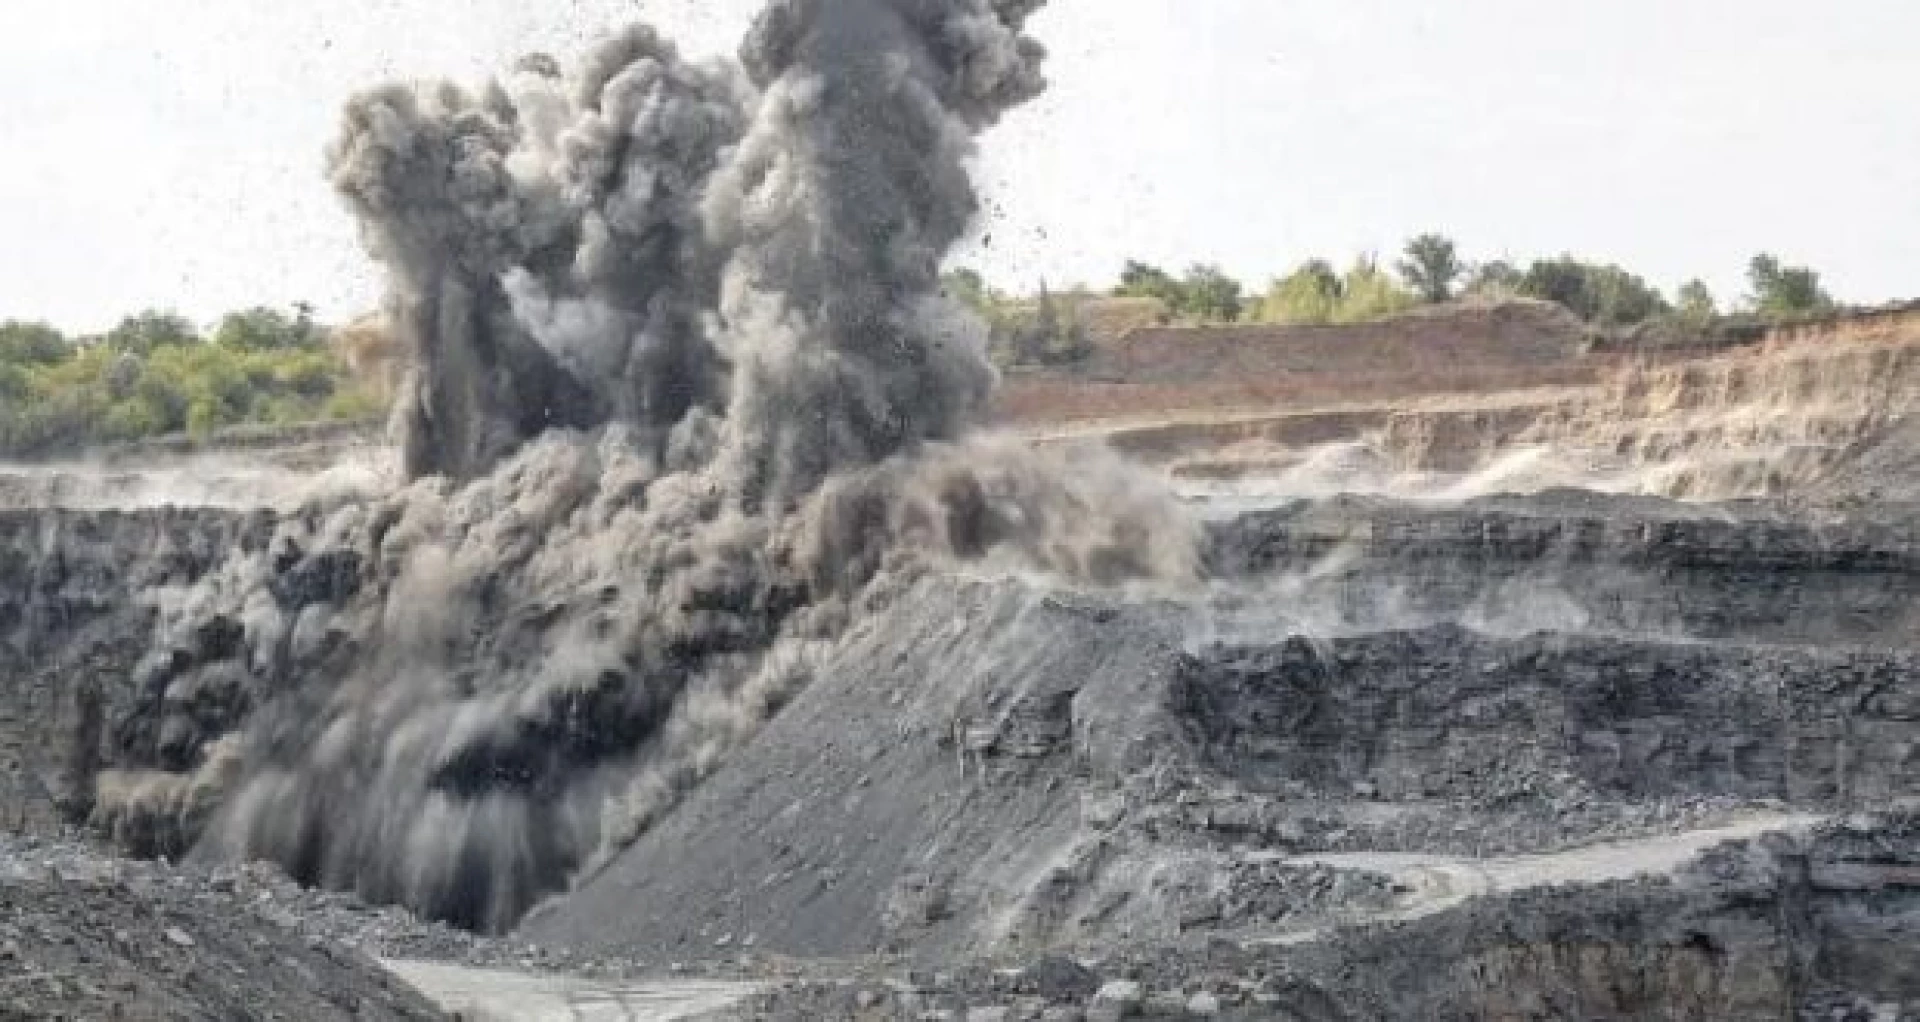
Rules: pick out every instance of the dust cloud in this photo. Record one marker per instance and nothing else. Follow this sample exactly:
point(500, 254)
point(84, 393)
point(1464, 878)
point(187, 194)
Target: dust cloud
point(684, 392)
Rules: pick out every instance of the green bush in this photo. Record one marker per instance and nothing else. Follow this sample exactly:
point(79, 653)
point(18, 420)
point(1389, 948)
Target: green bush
point(1314, 294)
point(1308, 296)
point(1369, 294)
point(1598, 293)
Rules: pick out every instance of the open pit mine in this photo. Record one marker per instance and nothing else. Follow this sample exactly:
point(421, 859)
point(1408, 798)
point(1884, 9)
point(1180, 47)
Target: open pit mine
point(714, 636)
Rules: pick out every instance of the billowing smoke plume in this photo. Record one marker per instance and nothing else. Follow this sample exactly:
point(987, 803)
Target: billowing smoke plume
point(685, 394)
point(661, 244)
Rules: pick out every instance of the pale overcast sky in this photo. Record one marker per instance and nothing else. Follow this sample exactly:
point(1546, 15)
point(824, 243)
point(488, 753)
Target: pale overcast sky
point(166, 152)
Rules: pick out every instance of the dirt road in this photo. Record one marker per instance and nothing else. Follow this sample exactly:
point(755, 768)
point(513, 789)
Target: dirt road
point(1439, 882)
point(490, 995)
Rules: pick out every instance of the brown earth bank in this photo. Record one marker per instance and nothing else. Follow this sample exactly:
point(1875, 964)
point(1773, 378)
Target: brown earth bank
point(1469, 347)
point(1183, 370)
point(1510, 396)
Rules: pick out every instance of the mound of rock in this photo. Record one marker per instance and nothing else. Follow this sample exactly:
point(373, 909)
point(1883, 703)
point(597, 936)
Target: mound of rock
point(86, 938)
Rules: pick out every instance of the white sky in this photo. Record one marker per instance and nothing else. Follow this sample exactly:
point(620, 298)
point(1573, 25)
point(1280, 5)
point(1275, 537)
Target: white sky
point(167, 152)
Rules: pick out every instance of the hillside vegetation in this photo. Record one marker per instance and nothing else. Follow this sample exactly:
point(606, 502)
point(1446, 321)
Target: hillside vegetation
point(155, 374)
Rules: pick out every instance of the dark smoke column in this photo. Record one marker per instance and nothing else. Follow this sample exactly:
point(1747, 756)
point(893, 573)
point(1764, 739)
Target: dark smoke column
point(845, 195)
point(425, 172)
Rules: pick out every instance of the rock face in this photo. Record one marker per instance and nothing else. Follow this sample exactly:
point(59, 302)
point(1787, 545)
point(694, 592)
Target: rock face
point(83, 588)
point(1572, 561)
point(1444, 712)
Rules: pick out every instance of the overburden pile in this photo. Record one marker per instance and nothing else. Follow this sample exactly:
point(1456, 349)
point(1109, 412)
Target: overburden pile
point(684, 390)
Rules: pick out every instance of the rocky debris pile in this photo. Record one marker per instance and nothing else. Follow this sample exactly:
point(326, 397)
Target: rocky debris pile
point(330, 917)
point(1267, 893)
point(338, 923)
point(929, 780)
point(87, 937)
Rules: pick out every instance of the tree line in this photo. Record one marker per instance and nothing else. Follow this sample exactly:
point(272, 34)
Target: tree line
point(1429, 271)
point(156, 373)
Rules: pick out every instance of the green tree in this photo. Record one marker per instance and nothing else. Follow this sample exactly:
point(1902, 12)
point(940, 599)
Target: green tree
point(353, 405)
point(1694, 304)
point(1205, 294)
point(1141, 280)
point(1625, 298)
point(264, 329)
point(32, 344)
point(1046, 331)
point(1209, 295)
point(1307, 296)
point(203, 415)
point(1431, 267)
point(130, 420)
point(1781, 291)
point(150, 331)
point(1564, 280)
point(165, 400)
point(124, 375)
point(1046, 327)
